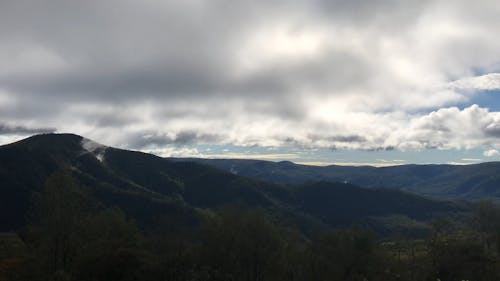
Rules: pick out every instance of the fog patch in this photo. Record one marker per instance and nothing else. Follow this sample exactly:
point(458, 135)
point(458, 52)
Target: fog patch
point(97, 149)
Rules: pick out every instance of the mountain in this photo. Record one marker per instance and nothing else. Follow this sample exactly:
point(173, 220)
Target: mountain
point(472, 182)
point(143, 185)
point(148, 187)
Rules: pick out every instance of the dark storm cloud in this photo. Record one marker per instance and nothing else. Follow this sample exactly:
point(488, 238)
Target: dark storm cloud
point(22, 130)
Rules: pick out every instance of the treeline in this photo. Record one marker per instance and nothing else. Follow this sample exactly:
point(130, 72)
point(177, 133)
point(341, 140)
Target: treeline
point(71, 237)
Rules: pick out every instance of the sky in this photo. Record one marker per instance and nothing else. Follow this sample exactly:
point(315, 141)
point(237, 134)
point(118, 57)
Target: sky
point(310, 81)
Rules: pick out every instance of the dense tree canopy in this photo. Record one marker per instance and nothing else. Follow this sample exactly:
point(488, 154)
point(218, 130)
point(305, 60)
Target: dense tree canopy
point(70, 237)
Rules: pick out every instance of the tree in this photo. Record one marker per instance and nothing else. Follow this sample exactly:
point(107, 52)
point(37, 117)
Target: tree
point(345, 255)
point(241, 245)
point(57, 215)
point(110, 248)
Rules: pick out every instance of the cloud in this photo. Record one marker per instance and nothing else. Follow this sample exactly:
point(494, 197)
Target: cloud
point(373, 164)
point(451, 128)
point(471, 159)
point(489, 81)
point(176, 152)
point(181, 138)
point(491, 153)
point(256, 156)
point(369, 75)
point(22, 130)
point(459, 163)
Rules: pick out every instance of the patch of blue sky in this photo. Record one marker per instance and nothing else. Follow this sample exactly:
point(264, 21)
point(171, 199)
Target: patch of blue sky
point(488, 99)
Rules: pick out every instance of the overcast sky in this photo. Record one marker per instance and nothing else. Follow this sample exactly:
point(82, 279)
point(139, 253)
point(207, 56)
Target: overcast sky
point(323, 81)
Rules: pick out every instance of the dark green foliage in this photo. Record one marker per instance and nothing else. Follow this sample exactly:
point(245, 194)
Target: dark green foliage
point(247, 245)
point(342, 204)
point(241, 245)
point(72, 239)
point(24, 168)
point(346, 255)
point(69, 235)
point(462, 256)
point(110, 248)
point(58, 214)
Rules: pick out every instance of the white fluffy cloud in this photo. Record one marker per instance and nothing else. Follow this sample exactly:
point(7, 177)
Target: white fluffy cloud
point(491, 153)
point(489, 81)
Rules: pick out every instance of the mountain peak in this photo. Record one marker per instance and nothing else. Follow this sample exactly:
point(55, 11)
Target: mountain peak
point(51, 138)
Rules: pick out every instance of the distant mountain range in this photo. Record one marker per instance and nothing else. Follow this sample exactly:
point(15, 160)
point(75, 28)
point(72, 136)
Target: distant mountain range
point(471, 182)
point(148, 187)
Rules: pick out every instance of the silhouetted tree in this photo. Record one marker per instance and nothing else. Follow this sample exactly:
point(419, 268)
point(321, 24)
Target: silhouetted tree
point(241, 245)
point(57, 216)
point(110, 248)
point(345, 255)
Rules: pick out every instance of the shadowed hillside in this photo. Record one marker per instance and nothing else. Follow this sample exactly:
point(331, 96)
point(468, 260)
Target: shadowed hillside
point(478, 181)
point(147, 187)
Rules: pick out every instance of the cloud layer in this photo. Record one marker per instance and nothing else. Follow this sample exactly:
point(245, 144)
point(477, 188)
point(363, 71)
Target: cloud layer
point(371, 75)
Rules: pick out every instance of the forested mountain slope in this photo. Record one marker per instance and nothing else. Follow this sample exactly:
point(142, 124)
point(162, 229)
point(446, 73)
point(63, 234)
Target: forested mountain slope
point(148, 187)
point(477, 181)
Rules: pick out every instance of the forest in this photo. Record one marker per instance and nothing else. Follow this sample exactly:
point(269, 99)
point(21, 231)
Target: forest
point(71, 237)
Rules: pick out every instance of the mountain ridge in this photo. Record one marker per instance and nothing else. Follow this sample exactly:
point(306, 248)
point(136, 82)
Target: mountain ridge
point(148, 187)
point(470, 182)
